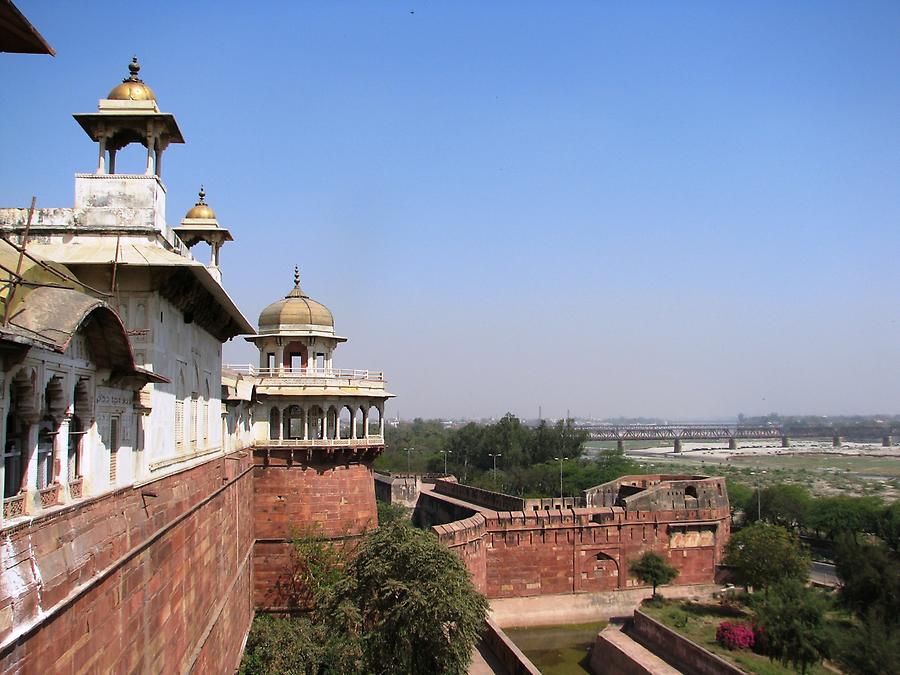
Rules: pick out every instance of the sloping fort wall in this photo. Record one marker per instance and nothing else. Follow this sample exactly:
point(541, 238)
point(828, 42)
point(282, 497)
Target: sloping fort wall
point(329, 497)
point(155, 578)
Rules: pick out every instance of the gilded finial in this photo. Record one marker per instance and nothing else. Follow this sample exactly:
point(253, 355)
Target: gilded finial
point(202, 195)
point(296, 276)
point(134, 68)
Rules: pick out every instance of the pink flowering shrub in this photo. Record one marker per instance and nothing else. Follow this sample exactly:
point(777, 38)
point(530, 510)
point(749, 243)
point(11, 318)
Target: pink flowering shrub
point(735, 635)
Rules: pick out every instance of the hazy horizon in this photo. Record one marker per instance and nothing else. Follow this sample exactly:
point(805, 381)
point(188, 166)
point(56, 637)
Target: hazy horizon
point(674, 211)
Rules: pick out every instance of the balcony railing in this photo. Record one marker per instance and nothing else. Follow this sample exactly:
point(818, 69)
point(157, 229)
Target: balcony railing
point(310, 373)
point(320, 442)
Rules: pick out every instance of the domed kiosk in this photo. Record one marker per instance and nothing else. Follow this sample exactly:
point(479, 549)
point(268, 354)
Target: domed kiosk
point(200, 224)
point(307, 402)
point(316, 432)
point(130, 114)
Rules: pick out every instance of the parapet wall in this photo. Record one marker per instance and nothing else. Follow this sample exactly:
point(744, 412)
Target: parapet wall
point(659, 491)
point(168, 564)
point(485, 498)
point(678, 649)
point(574, 550)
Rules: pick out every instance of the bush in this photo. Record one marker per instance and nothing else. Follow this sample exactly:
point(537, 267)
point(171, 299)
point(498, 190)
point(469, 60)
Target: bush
point(735, 635)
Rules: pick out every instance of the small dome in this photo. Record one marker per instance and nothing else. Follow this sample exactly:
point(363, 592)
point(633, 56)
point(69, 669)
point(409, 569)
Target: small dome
point(201, 208)
point(296, 312)
point(132, 88)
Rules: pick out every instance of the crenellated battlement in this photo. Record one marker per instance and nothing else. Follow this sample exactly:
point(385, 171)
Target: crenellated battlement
point(528, 550)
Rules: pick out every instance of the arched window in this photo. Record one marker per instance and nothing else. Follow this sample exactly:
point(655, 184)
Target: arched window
point(293, 422)
point(46, 434)
point(76, 434)
point(274, 424)
point(346, 422)
point(374, 421)
point(316, 422)
point(360, 421)
point(14, 450)
point(333, 419)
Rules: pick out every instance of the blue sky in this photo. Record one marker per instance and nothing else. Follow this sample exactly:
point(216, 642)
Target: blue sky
point(686, 210)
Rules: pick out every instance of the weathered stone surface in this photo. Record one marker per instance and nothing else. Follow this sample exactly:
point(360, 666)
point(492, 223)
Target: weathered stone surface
point(114, 586)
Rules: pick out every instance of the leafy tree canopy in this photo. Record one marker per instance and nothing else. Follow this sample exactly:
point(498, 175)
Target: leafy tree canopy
point(418, 610)
point(401, 603)
point(792, 623)
point(871, 579)
point(782, 504)
point(764, 554)
point(845, 515)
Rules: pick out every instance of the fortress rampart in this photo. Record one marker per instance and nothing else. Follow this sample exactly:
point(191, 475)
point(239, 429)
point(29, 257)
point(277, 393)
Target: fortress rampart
point(167, 564)
point(577, 550)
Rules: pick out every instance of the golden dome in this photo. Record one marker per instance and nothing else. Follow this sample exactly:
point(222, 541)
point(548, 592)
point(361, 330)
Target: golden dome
point(296, 312)
point(201, 208)
point(132, 88)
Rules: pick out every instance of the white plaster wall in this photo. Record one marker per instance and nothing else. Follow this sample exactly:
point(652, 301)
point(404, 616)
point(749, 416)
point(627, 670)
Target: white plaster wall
point(181, 348)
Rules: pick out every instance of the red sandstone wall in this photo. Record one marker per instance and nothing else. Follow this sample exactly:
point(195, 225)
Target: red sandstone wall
point(466, 539)
point(125, 583)
point(547, 552)
point(574, 550)
point(339, 499)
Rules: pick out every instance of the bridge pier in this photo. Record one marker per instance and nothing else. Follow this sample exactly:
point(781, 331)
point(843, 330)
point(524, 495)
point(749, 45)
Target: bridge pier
point(887, 441)
point(732, 444)
point(677, 445)
point(620, 445)
point(785, 442)
point(836, 441)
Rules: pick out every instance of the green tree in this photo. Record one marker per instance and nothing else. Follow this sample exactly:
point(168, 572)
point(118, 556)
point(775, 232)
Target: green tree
point(782, 504)
point(792, 622)
point(390, 513)
point(652, 568)
point(279, 645)
point(764, 554)
point(869, 646)
point(840, 514)
point(870, 575)
point(400, 602)
point(889, 525)
point(417, 609)
point(738, 497)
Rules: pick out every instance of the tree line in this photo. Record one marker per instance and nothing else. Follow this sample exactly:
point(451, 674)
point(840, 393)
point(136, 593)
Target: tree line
point(826, 517)
point(527, 457)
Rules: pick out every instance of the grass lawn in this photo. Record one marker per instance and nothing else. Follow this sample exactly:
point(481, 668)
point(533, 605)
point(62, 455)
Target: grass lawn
point(699, 621)
point(557, 650)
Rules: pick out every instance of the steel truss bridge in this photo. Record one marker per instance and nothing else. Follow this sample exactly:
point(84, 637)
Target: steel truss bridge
point(731, 433)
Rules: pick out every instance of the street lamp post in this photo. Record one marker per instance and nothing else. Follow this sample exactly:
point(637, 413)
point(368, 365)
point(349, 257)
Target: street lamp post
point(560, 460)
point(491, 454)
point(408, 460)
point(445, 453)
point(758, 496)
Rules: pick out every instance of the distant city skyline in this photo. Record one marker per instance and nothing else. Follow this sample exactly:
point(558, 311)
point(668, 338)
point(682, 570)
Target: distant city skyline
point(674, 211)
